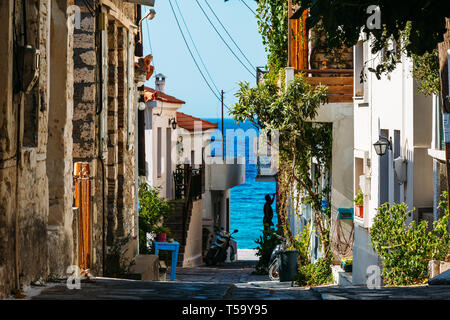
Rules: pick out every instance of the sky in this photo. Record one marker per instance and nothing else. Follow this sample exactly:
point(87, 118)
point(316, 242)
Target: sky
point(172, 58)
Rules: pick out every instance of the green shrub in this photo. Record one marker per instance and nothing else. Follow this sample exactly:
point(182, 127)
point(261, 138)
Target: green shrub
point(153, 210)
point(406, 250)
point(315, 274)
point(266, 243)
point(301, 243)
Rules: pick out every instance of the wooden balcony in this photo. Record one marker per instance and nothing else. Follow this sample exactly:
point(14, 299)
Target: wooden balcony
point(338, 81)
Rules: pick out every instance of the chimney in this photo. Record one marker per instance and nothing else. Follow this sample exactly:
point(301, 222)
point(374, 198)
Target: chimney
point(160, 82)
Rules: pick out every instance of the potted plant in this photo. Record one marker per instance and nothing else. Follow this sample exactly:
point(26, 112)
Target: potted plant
point(347, 264)
point(153, 210)
point(161, 233)
point(359, 202)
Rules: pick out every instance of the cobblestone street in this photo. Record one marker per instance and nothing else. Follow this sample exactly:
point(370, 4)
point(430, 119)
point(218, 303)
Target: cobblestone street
point(231, 281)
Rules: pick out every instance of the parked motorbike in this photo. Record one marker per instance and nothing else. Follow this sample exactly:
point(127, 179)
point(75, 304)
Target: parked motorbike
point(217, 253)
point(275, 259)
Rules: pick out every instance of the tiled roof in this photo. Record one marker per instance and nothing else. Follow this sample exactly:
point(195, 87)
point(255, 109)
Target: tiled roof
point(151, 94)
point(186, 121)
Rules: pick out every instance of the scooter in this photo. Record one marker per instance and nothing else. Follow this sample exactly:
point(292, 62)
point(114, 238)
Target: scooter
point(217, 253)
point(275, 259)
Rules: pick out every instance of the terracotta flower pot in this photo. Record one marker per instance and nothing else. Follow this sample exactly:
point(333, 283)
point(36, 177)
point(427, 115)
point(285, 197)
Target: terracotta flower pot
point(359, 211)
point(161, 237)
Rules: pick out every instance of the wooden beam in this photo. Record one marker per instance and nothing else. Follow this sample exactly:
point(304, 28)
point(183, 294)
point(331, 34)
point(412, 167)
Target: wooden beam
point(289, 62)
point(329, 80)
point(325, 71)
point(117, 14)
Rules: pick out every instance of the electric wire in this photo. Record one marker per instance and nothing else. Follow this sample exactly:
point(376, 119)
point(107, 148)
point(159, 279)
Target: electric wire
point(214, 27)
point(190, 52)
point(251, 64)
point(195, 47)
point(248, 7)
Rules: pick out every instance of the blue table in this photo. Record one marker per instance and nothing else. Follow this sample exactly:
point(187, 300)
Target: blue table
point(170, 246)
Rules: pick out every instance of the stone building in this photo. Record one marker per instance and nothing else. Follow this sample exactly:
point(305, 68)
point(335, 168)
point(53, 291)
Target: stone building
point(67, 143)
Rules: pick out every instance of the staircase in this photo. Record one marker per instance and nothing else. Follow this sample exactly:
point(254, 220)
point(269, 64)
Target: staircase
point(175, 223)
point(189, 186)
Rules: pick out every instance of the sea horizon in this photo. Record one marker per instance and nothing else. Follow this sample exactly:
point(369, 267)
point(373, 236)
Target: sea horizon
point(246, 200)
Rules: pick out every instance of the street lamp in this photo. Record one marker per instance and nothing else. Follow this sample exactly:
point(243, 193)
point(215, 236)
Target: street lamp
point(173, 121)
point(150, 15)
point(382, 145)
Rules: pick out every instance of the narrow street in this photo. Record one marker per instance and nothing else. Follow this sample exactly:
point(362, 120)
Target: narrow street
point(231, 281)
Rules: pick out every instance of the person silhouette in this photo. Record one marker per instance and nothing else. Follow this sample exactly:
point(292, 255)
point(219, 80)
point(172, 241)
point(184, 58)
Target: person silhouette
point(268, 212)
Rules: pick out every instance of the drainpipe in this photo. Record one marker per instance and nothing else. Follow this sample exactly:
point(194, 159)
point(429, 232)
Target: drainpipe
point(16, 220)
point(99, 113)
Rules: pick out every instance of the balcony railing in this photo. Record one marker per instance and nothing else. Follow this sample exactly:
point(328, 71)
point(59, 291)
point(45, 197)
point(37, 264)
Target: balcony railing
point(338, 81)
point(189, 182)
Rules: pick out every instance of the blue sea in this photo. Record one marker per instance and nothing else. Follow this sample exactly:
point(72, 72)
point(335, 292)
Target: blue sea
point(247, 200)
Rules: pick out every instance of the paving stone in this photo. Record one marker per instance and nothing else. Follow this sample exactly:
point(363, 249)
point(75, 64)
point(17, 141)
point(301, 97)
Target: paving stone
point(233, 281)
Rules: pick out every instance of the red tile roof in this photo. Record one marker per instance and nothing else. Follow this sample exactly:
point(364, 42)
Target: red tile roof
point(186, 121)
point(151, 94)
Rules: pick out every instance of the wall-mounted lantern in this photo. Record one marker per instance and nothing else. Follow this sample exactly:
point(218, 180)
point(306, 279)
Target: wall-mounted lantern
point(173, 122)
point(382, 145)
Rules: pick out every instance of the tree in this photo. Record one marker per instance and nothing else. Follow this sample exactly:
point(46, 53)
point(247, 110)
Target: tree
point(345, 19)
point(290, 110)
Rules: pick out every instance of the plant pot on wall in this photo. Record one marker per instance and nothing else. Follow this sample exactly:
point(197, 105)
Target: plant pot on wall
point(359, 211)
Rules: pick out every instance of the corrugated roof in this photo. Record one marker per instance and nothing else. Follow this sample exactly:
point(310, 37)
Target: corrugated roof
point(151, 94)
point(186, 121)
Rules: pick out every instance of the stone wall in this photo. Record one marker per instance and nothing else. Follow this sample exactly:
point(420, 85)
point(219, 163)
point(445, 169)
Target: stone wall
point(58, 125)
point(112, 169)
point(23, 151)
point(335, 58)
point(61, 251)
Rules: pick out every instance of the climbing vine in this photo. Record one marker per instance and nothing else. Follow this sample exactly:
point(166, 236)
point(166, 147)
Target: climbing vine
point(272, 16)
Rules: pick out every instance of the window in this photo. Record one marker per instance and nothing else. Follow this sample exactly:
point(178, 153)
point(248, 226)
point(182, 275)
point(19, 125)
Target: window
point(359, 69)
point(384, 173)
point(396, 155)
point(158, 153)
point(169, 163)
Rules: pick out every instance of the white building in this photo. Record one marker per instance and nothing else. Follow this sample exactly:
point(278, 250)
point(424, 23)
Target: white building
point(338, 113)
point(391, 108)
point(175, 144)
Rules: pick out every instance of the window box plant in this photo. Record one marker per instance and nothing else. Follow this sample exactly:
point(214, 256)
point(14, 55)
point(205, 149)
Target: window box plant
point(359, 204)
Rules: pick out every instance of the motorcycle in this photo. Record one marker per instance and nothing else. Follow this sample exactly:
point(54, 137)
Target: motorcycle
point(217, 253)
point(275, 259)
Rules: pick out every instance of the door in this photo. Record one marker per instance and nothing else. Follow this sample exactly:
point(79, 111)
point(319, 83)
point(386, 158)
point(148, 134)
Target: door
point(83, 202)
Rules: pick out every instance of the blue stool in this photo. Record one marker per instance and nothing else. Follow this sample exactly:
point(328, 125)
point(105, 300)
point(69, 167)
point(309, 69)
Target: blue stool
point(169, 246)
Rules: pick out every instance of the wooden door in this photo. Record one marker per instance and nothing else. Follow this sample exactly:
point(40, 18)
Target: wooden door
point(83, 202)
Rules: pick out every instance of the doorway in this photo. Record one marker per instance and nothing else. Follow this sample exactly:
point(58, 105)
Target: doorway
point(83, 202)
